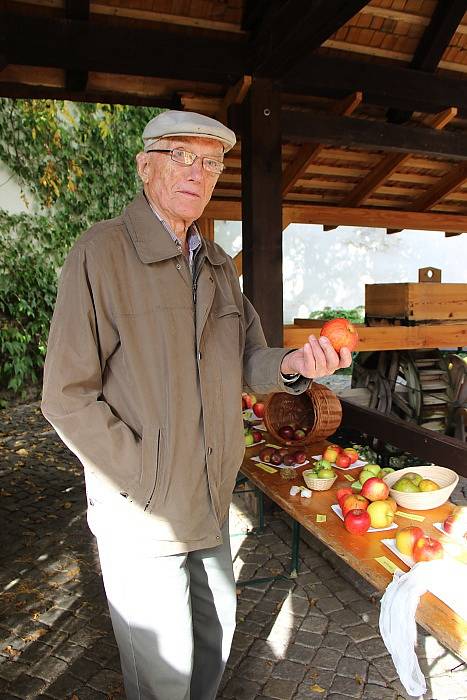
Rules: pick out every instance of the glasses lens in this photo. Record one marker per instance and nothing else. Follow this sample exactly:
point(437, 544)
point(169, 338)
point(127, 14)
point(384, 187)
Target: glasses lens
point(213, 166)
point(179, 155)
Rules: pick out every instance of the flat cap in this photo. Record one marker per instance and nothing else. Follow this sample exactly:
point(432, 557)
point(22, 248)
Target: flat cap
point(176, 123)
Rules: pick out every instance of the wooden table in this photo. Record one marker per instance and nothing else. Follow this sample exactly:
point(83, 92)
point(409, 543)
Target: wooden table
point(359, 551)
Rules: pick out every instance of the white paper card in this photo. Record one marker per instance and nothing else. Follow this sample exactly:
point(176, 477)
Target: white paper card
point(338, 511)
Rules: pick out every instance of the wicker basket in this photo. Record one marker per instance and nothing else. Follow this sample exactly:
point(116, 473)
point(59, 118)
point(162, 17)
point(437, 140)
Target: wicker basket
point(318, 410)
point(446, 478)
point(317, 484)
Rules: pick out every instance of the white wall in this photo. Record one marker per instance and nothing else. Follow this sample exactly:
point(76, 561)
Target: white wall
point(12, 198)
point(331, 268)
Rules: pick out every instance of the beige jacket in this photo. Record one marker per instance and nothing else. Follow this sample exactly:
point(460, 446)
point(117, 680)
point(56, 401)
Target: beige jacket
point(143, 383)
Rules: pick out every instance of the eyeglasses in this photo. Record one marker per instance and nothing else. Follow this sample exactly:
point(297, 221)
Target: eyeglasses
point(179, 155)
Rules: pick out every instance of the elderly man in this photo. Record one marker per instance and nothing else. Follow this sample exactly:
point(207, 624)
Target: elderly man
point(150, 344)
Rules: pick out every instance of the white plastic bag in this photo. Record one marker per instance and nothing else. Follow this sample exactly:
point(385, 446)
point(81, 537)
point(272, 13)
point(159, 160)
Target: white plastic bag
point(398, 607)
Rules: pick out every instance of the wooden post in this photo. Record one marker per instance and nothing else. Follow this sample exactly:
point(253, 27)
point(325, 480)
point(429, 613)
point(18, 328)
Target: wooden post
point(261, 205)
point(206, 226)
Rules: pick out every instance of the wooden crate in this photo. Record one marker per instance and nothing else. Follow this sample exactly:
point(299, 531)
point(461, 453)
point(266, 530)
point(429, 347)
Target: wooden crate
point(417, 301)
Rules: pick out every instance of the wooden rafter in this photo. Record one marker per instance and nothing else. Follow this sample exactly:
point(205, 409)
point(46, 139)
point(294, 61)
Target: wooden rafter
point(434, 42)
point(384, 85)
point(308, 152)
point(390, 163)
point(294, 29)
point(234, 95)
point(450, 182)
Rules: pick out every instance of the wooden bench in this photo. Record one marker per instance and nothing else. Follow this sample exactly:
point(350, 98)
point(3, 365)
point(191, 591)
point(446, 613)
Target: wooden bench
point(359, 552)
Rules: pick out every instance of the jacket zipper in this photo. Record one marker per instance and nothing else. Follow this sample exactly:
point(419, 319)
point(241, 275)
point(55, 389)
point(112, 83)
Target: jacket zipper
point(157, 471)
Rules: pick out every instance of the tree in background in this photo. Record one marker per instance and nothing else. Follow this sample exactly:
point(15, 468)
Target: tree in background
point(77, 160)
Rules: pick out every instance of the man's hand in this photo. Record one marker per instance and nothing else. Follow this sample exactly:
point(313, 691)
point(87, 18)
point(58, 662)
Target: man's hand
point(317, 358)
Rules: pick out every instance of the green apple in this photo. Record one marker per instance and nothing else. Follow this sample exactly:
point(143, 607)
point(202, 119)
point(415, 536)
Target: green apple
point(387, 470)
point(364, 475)
point(413, 476)
point(373, 468)
point(322, 464)
point(405, 485)
point(356, 486)
point(249, 439)
point(326, 473)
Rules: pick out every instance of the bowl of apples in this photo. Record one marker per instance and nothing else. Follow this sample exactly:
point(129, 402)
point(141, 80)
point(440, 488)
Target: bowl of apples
point(421, 488)
point(320, 477)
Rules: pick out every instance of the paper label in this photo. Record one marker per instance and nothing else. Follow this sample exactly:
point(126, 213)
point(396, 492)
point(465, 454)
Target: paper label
point(410, 516)
point(276, 447)
point(348, 477)
point(320, 518)
point(266, 468)
point(387, 564)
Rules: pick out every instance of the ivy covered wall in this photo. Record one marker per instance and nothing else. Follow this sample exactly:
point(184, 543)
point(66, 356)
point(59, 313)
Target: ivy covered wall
point(78, 161)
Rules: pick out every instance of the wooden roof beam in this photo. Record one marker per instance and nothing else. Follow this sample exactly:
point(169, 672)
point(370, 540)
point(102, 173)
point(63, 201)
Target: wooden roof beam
point(231, 210)
point(110, 48)
point(384, 85)
point(446, 18)
point(390, 163)
point(76, 79)
point(308, 152)
point(294, 29)
point(303, 127)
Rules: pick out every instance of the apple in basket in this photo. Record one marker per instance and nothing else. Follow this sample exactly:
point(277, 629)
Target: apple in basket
point(341, 333)
point(286, 432)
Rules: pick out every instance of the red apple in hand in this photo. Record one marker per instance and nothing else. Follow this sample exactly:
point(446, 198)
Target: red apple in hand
point(341, 334)
point(427, 548)
point(357, 521)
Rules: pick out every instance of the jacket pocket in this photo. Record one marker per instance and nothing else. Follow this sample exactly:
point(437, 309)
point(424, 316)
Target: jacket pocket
point(151, 466)
point(228, 310)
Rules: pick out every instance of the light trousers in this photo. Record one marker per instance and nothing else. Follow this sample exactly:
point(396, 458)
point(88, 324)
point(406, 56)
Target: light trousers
point(173, 619)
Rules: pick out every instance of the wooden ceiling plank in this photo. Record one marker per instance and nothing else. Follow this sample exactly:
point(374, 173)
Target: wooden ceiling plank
point(436, 38)
point(293, 30)
point(391, 162)
point(308, 152)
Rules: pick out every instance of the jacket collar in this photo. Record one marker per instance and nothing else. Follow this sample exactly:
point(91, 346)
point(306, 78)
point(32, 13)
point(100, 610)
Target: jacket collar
point(152, 242)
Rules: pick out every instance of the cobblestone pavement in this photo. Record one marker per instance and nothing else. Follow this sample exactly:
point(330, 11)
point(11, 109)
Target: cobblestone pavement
point(315, 636)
